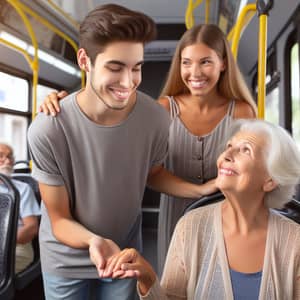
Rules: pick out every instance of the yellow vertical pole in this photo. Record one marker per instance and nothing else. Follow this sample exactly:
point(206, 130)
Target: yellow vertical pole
point(263, 7)
point(207, 11)
point(262, 62)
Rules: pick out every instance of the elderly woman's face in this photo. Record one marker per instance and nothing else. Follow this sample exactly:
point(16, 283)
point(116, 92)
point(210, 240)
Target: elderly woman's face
point(241, 167)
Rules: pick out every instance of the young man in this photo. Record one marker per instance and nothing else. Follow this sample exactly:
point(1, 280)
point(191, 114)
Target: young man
point(94, 159)
point(28, 212)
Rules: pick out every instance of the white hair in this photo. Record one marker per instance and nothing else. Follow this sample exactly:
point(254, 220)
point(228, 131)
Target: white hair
point(282, 159)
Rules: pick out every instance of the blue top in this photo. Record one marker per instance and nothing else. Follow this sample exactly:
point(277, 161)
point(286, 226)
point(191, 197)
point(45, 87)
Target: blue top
point(28, 203)
point(245, 286)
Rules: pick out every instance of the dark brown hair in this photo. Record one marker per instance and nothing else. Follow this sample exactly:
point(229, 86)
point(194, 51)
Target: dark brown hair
point(111, 23)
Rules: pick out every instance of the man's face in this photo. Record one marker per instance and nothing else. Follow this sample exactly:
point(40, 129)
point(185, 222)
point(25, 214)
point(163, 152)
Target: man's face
point(116, 73)
point(6, 160)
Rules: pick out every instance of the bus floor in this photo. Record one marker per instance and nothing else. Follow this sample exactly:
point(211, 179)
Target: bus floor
point(34, 291)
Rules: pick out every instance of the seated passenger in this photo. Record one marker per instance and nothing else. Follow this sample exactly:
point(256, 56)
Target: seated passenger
point(239, 248)
point(28, 212)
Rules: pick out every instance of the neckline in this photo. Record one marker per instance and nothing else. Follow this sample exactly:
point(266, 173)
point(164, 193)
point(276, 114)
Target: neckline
point(207, 134)
point(245, 274)
point(222, 250)
point(88, 120)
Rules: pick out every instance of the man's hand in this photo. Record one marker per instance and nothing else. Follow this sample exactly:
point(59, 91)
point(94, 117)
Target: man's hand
point(100, 251)
point(50, 104)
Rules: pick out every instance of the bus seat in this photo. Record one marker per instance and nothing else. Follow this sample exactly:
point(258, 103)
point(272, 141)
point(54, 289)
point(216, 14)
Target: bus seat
point(205, 200)
point(28, 275)
point(9, 211)
point(291, 209)
point(27, 178)
point(22, 166)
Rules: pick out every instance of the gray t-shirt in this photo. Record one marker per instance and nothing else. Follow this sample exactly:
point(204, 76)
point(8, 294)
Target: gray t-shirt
point(104, 169)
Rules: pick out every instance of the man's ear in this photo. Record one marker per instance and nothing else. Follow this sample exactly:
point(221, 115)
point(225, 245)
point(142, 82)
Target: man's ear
point(269, 185)
point(83, 60)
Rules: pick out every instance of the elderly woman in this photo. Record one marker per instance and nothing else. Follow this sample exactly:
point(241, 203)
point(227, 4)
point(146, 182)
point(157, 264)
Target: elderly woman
point(238, 248)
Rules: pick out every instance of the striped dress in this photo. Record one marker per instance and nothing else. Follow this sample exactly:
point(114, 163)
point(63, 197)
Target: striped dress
point(192, 158)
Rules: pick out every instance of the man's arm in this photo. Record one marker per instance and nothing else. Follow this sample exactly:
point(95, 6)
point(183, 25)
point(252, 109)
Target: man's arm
point(163, 181)
point(28, 230)
point(71, 232)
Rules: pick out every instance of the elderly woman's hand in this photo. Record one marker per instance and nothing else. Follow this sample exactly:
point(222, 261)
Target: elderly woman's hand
point(129, 263)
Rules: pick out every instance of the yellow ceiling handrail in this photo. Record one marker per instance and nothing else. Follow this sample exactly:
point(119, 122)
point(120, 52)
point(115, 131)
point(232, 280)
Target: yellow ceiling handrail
point(189, 16)
point(246, 21)
point(54, 29)
point(34, 63)
point(240, 24)
point(17, 48)
point(66, 15)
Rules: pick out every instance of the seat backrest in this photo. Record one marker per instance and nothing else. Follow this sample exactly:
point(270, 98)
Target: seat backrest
point(205, 200)
point(27, 178)
point(26, 276)
point(9, 212)
point(291, 209)
point(22, 166)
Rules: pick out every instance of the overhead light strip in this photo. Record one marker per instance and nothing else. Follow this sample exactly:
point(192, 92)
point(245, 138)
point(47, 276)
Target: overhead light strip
point(42, 55)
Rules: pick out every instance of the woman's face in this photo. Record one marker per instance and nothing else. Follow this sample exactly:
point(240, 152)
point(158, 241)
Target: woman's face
point(200, 69)
point(242, 166)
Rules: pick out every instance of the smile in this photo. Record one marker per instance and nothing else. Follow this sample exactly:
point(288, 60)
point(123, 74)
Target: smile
point(227, 172)
point(197, 83)
point(121, 94)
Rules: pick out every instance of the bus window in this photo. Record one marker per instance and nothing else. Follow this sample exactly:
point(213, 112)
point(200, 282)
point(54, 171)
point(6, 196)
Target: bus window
point(295, 93)
point(272, 106)
point(13, 92)
point(13, 130)
point(14, 107)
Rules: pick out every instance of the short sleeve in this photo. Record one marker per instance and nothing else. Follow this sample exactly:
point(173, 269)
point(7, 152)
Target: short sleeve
point(44, 136)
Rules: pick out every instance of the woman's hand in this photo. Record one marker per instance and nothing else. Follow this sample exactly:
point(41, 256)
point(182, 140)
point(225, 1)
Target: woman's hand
point(50, 104)
point(129, 263)
point(209, 187)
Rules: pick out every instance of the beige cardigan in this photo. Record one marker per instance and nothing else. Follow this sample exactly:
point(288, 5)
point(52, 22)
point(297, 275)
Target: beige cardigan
point(197, 267)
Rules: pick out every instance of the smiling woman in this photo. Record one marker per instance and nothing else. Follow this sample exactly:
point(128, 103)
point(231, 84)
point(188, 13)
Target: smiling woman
point(238, 248)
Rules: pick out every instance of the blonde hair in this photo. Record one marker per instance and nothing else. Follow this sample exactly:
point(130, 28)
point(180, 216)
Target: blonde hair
point(231, 84)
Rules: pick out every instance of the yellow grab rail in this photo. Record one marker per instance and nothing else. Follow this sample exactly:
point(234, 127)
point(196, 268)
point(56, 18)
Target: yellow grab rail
point(240, 24)
point(207, 11)
point(261, 69)
point(34, 64)
point(189, 16)
point(54, 29)
point(17, 48)
point(263, 8)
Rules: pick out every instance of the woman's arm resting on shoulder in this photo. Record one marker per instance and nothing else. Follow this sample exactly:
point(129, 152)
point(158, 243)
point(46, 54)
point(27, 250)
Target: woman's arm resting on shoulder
point(72, 233)
point(164, 102)
point(50, 104)
point(163, 181)
point(28, 230)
